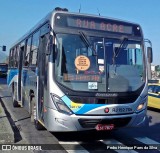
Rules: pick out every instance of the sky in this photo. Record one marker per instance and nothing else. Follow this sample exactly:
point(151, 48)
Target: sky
point(18, 16)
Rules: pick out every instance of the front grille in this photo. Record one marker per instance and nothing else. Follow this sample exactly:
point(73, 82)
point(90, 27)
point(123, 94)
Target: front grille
point(91, 123)
point(98, 100)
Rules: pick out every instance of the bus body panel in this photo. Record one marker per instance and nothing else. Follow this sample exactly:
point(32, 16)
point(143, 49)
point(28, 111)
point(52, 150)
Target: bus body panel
point(29, 81)
point(56, 121)
point(12, 81)
point(82, 109)
point(12, 76)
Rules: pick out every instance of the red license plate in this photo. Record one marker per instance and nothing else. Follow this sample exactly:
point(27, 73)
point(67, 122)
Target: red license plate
point(103, 127)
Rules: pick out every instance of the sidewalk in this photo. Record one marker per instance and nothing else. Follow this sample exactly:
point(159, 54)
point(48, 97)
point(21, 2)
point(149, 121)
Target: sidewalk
point(6, 132)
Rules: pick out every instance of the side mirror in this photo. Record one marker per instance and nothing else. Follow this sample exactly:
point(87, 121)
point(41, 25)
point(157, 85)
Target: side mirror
point(3, 48)
point(149, 54)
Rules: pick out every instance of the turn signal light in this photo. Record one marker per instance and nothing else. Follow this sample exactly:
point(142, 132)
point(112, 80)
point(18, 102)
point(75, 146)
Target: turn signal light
point(140, 107)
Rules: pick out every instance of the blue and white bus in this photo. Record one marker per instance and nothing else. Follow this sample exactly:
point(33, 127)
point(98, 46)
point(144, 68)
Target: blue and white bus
point(75, 72)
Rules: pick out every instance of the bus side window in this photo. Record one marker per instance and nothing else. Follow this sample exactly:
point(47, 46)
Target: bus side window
point(27, 55)
point(11, 58)
point(17, 56)
point(34, 48)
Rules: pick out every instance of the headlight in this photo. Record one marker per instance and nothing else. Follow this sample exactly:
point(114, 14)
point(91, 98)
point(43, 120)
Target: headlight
point(61, 106)
point(141, 106)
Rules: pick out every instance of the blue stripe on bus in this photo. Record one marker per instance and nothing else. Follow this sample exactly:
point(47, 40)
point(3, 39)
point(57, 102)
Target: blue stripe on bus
point(11, 74)
point(14, 72)
point(88, 107)
point(79, 108)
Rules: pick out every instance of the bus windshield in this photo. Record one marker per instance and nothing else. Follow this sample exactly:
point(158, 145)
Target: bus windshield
point(106, 65)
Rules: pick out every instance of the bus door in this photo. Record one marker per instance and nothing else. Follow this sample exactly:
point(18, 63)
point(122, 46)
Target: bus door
point(42, 75)
point(20, 72)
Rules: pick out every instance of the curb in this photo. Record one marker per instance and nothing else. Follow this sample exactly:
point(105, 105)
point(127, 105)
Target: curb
point(6, 132)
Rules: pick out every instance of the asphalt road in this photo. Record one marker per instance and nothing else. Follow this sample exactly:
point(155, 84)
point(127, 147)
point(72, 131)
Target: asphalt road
point(90, 141)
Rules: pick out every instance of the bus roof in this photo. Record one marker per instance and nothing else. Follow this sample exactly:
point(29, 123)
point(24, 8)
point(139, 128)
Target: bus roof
point(49, 18)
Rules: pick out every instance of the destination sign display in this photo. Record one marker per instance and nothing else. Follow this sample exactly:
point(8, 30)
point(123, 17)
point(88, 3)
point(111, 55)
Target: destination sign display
point(95, 23)
point(81, 78)
point(100, 25)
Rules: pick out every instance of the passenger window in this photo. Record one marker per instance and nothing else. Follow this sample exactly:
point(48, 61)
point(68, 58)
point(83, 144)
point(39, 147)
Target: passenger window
point(27, 55)
point(11, 58)
point(34, 48)
point(156, 89)
point(16, 56)
point(150, 88)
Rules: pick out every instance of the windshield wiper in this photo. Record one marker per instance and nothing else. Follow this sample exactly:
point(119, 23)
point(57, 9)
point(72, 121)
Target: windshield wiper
point(84, 37)
point(118, 49)
point(87, 42)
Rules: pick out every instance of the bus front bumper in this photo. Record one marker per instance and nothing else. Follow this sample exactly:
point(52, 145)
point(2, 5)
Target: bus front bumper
point(57, 122)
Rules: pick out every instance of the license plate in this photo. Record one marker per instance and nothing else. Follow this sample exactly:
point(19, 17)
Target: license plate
point(104, 127)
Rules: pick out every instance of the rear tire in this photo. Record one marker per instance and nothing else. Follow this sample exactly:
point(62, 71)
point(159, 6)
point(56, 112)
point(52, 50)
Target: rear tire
point(15, 103)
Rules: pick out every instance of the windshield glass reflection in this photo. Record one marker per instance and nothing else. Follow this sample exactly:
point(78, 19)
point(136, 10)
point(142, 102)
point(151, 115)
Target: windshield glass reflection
point(94, 67)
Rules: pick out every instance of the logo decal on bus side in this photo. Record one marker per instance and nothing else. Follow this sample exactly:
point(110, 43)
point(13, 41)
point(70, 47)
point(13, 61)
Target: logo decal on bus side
point(75, 105)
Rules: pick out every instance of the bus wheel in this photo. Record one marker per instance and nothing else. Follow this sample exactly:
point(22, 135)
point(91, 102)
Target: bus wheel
point(15, 103)
point(38, 125)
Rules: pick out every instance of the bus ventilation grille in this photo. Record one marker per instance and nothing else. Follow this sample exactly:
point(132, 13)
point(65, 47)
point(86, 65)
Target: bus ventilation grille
point(91, 123)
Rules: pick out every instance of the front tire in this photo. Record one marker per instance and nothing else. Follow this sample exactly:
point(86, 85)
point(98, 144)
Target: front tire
point(38, 125)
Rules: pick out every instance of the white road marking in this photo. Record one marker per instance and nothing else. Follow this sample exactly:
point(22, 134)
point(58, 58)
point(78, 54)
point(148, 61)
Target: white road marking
point(76, 149)
point(147, 140)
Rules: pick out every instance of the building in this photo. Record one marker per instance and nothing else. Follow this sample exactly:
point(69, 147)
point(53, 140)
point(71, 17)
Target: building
point(155, 70)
